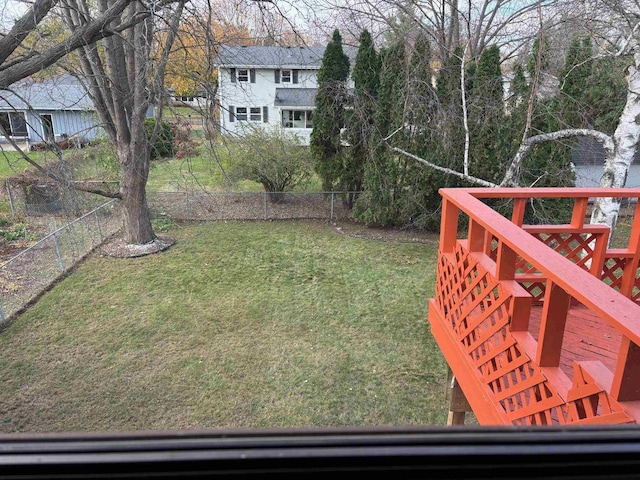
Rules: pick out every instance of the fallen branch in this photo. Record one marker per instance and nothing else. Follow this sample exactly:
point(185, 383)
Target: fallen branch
point(511, 175)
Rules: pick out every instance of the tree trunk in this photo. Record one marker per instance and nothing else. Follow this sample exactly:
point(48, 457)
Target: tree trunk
point(618, 161)
point(134, 161)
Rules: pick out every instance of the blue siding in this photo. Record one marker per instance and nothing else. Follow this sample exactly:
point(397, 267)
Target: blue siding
point(69, 122)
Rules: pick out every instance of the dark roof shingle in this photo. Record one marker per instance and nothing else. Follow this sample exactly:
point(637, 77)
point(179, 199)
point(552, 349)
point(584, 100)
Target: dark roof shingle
point(274, 57)
point(295, 97)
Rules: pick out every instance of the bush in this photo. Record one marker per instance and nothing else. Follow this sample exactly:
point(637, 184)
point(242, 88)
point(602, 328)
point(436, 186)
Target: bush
point(273, 158)
point(163, 146)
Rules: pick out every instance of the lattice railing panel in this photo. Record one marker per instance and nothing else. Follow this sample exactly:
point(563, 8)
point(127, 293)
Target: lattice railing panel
point(612, 271)
point(577, 247)
point(476, 308)
point(536, 290)
point(635, 296)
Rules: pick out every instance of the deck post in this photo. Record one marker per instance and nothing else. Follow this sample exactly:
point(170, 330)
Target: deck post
point(626, 381)
point(554, 318)
point(458, 404)
point(579, 212)
point(477, 236)
point(449, 226)
point(517, 216)
point(631, 265)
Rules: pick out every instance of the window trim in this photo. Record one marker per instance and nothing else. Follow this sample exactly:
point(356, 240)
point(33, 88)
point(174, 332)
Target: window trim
point(243, 77)
point(10, 122)
point(244, 114)
point(307, 119)
point(255, 112)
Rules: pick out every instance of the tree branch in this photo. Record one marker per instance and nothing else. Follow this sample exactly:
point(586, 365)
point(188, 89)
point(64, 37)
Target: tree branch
point(85, 186)
point(511, 175)
point(24, 26)
point(85, 35)
point(448, 171)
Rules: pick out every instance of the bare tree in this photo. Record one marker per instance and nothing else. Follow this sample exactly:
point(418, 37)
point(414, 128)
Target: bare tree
point(126, 78)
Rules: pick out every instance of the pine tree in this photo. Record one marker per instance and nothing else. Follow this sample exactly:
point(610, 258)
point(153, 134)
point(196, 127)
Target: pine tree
point(366, 77)
point(328, 116)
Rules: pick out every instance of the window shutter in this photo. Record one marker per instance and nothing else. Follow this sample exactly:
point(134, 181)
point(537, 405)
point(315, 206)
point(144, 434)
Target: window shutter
point(233, 75)
point(276, 74)
point(265, 114)
point(231, 113)
point(295, 76)
point(252, 75)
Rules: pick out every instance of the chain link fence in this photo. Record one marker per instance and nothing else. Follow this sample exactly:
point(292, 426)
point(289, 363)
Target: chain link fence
point(248, 205)
point(37, 201)
point(29, 273)
point(25, 276)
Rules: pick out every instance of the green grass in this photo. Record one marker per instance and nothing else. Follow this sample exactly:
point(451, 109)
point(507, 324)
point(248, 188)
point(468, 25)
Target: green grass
point(11, 163)
point(238, 325)
point(207, 169)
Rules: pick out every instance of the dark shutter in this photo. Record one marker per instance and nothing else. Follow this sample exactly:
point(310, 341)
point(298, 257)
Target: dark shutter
point(252, 75)
point(295, 76)
point(232, 112)
point(265, 114)
point(276, 74)
point(233, 75)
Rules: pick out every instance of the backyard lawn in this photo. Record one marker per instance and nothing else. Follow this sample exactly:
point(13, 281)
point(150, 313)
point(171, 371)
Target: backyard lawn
point(277, 324)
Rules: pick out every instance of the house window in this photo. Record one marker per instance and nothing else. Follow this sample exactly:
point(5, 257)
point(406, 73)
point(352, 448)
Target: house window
point(297, 118)
point(243, 75)
point(255, 114)
point(241, 114)
point(14, 123)
point(286, 76)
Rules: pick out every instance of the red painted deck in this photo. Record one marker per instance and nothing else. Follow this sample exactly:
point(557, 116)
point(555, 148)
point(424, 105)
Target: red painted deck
point(587, 337)
point(540, 324)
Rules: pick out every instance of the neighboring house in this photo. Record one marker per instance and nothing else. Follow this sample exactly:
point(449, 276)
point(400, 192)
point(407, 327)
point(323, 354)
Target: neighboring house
point(274, 86)
point(195, 101)
point(49, 110)
point(588, 158)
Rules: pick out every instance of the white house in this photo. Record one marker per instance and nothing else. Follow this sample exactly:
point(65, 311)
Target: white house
point(260, 85)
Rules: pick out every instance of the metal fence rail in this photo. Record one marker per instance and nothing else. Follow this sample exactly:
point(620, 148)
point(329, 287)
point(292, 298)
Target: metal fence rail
point(26, 275)
point(248, 205)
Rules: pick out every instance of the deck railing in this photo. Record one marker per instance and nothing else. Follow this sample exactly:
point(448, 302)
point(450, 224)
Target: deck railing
point(489, 286)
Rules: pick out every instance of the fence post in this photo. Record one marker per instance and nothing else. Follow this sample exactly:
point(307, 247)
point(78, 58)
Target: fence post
point(187, 212)
point(13, 208)
point(266, 207)
point(55, 240)
point(2, 317)
point(99, 227)
point(333, 196)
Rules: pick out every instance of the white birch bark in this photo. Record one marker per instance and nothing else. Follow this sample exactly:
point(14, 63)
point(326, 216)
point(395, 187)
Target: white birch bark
point(618, 160)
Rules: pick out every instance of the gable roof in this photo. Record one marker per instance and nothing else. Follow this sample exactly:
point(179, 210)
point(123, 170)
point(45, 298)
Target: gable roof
point(60, 93)
point(274, 57)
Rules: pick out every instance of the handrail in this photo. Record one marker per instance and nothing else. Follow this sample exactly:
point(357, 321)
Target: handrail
point(613, 307)
point(549, 192)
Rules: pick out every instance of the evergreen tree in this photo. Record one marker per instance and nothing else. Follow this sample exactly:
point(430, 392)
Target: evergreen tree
point(519, 89)
point(549, 164)
point(328, 116)
point(378, 205)
point(366, 77)
point(489, 146)
point(573, 83)
point(420, 195)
